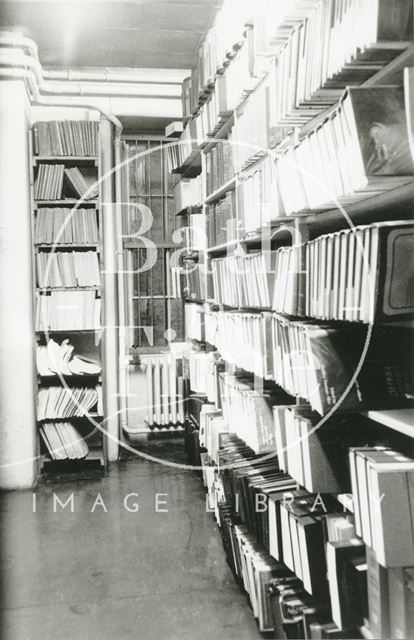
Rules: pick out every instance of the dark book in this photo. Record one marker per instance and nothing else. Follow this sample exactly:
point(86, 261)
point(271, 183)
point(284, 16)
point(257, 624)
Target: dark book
point(347, 575)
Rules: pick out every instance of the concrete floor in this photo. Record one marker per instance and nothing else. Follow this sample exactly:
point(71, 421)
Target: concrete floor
point(119, 574)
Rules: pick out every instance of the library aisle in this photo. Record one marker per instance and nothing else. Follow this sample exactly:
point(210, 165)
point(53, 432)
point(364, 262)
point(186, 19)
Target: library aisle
point(119, 574)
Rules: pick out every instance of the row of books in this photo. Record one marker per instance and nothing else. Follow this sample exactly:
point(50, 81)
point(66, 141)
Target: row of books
point(66, 138)
point(242, 339)
point(336, 44)
point(53, 181)
point(296, 527)
point(194, 322)
point(383, 491)
point(217, 49)
point(359, 274)
point(68, 311)
point(251, 128)
point(316, 455)
point(200, 368)
point(219, 165)
point(193, 281)
point(221, 220)
point(63, 441)
point(344, 368)
point(66, 226)
point(258, 195)
point(306, 532)
point(184, 151)
point(242, 281)
point(196, 232)
point(247, 411)
point(54, 358)
point(214, 113)
point(343, 159)
point(68, 269)
point(65, 402)
point(188, 193)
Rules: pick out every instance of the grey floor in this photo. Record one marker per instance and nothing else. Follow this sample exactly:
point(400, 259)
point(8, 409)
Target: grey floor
point(119, 575)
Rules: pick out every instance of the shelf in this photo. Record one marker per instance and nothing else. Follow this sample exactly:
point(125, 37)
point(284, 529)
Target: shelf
point(68, 245)
point(70, 331)
point(401, 420)
point(379, 207)
point(66, 159)
point(226, 246)
point(73, 377)
point(221, 134)
point(66, 202)
point(195, 208)
point(230, 185)
point(90, 414)
point(43, 289)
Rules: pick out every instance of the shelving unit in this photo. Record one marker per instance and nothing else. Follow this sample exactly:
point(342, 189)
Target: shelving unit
point(275, 230)
point(86, 341)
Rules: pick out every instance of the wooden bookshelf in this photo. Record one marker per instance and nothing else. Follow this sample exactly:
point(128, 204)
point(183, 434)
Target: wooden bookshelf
point(95, 461)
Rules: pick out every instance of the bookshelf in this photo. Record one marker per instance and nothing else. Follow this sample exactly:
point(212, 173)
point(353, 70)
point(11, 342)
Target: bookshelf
point(255, 414)
point(68, 262)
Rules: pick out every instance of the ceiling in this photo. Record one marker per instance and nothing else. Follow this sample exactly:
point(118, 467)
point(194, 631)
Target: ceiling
point(110, 33)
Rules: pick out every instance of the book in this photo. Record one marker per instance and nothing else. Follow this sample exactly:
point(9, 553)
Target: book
point(346, 562)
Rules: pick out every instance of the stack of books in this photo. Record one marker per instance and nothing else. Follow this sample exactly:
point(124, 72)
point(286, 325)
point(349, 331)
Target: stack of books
point(63, 441)
point(251, 128)
point(221, 220)
point(311, 69)
point(219, 165)
point(340, 161)
point(361, 274)
point(60, 402)
point(66, 226)
point(188, 193)
point(194, 321)
point(343, 367)
point(259, 201)
point(53, 181)
point(68, 269)
point(66, 138)
point(201, 367)
point(243, 340)
point(68, 311)
point(316, 455)
point(383, 492)
point(243, 281)
point(54, 358)
point(248, 411)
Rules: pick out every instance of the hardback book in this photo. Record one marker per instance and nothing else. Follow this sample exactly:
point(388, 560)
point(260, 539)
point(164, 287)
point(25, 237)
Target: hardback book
point(347, 576)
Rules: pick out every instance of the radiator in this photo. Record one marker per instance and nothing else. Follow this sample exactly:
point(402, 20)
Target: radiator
point(165, 405)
